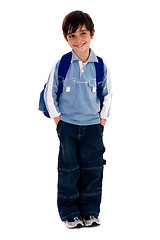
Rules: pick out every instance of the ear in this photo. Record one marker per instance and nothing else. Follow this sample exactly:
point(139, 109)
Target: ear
point(65, 38)
point(92, 35)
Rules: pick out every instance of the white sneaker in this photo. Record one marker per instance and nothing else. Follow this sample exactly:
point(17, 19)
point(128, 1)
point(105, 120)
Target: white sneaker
point(75, 223)
point(91, 222)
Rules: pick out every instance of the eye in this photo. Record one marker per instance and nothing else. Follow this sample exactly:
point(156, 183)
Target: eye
point(71, 36)
point(83, 33)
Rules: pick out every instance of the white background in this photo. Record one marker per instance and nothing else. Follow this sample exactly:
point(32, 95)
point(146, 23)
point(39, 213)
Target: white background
point(127, 37)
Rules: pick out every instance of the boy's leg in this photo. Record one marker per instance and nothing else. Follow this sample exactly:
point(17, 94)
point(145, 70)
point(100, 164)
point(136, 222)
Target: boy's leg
point(91, 151)
point(68, 173)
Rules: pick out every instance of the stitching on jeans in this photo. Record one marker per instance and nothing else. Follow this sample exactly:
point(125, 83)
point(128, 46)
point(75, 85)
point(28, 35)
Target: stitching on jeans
point(90, 194)
point(69, 197)
point(68, 170)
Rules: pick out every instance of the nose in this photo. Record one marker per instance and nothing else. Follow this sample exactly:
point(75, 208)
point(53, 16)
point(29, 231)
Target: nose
point(78, 39)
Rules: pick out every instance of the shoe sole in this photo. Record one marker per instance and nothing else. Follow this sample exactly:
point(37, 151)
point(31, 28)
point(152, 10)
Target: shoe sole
point(94, 224)
point(78, 226)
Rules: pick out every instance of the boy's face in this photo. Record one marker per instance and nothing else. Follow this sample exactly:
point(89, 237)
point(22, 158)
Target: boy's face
point(80, 40)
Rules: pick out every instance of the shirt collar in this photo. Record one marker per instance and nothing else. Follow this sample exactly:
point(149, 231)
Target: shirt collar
point(92, 57)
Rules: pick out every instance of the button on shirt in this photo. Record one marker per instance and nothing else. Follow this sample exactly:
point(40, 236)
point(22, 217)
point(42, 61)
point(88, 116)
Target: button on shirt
point(78, 103)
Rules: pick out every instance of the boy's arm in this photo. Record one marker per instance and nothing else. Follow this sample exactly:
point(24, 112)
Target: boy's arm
point(102, 121)
point(107, 93)
point(50, 94)
point(57, 119)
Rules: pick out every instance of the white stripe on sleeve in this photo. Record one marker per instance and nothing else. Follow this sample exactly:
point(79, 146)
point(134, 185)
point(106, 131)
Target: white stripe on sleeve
point(48, 96)
point(104, 114)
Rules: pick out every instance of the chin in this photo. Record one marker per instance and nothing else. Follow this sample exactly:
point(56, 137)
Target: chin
point(80, 50)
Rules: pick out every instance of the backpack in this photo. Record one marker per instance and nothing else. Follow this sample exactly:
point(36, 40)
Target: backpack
point(62, 72)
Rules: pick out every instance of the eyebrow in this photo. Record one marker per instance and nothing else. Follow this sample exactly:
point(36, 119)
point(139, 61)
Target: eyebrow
point(82, 30)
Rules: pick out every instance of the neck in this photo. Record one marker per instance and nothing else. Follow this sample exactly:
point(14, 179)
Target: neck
point(83, 56)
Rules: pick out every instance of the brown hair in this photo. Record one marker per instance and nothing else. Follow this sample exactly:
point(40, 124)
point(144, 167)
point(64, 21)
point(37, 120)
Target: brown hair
point(74, 20)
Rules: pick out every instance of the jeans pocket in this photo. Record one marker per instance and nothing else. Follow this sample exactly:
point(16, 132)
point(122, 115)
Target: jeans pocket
point(59, 126)
point(101, 127)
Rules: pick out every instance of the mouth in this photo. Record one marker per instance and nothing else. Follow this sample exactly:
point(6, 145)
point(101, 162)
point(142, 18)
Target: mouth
point(79, 45)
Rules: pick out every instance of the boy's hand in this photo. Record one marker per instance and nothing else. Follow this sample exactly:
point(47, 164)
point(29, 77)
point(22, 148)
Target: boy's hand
point(102, 121)
point(57, 119)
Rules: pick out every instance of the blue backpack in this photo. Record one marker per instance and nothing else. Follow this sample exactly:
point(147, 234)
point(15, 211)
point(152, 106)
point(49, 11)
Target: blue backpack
point(62, 72)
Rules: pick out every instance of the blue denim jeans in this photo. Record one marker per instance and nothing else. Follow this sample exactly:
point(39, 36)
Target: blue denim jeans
point(80, 170)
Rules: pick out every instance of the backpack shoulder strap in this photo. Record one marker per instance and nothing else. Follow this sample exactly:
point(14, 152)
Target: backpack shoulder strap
point(62, 71)
point(99, 70)
point(99, 77)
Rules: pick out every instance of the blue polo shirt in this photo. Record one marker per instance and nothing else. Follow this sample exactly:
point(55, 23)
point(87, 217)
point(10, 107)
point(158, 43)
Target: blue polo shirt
point(78, 104)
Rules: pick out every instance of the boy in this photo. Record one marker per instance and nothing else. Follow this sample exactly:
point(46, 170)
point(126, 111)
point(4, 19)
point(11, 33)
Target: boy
point(80, 122)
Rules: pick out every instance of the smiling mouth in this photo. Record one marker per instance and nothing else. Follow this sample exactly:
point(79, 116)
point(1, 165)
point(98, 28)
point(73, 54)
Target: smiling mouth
point(79, 45)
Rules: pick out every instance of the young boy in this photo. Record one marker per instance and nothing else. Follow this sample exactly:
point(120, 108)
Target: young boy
point(80, 122)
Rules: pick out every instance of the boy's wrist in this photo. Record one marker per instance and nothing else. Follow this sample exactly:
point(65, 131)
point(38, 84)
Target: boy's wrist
point(102, 121)
point(57, 119)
